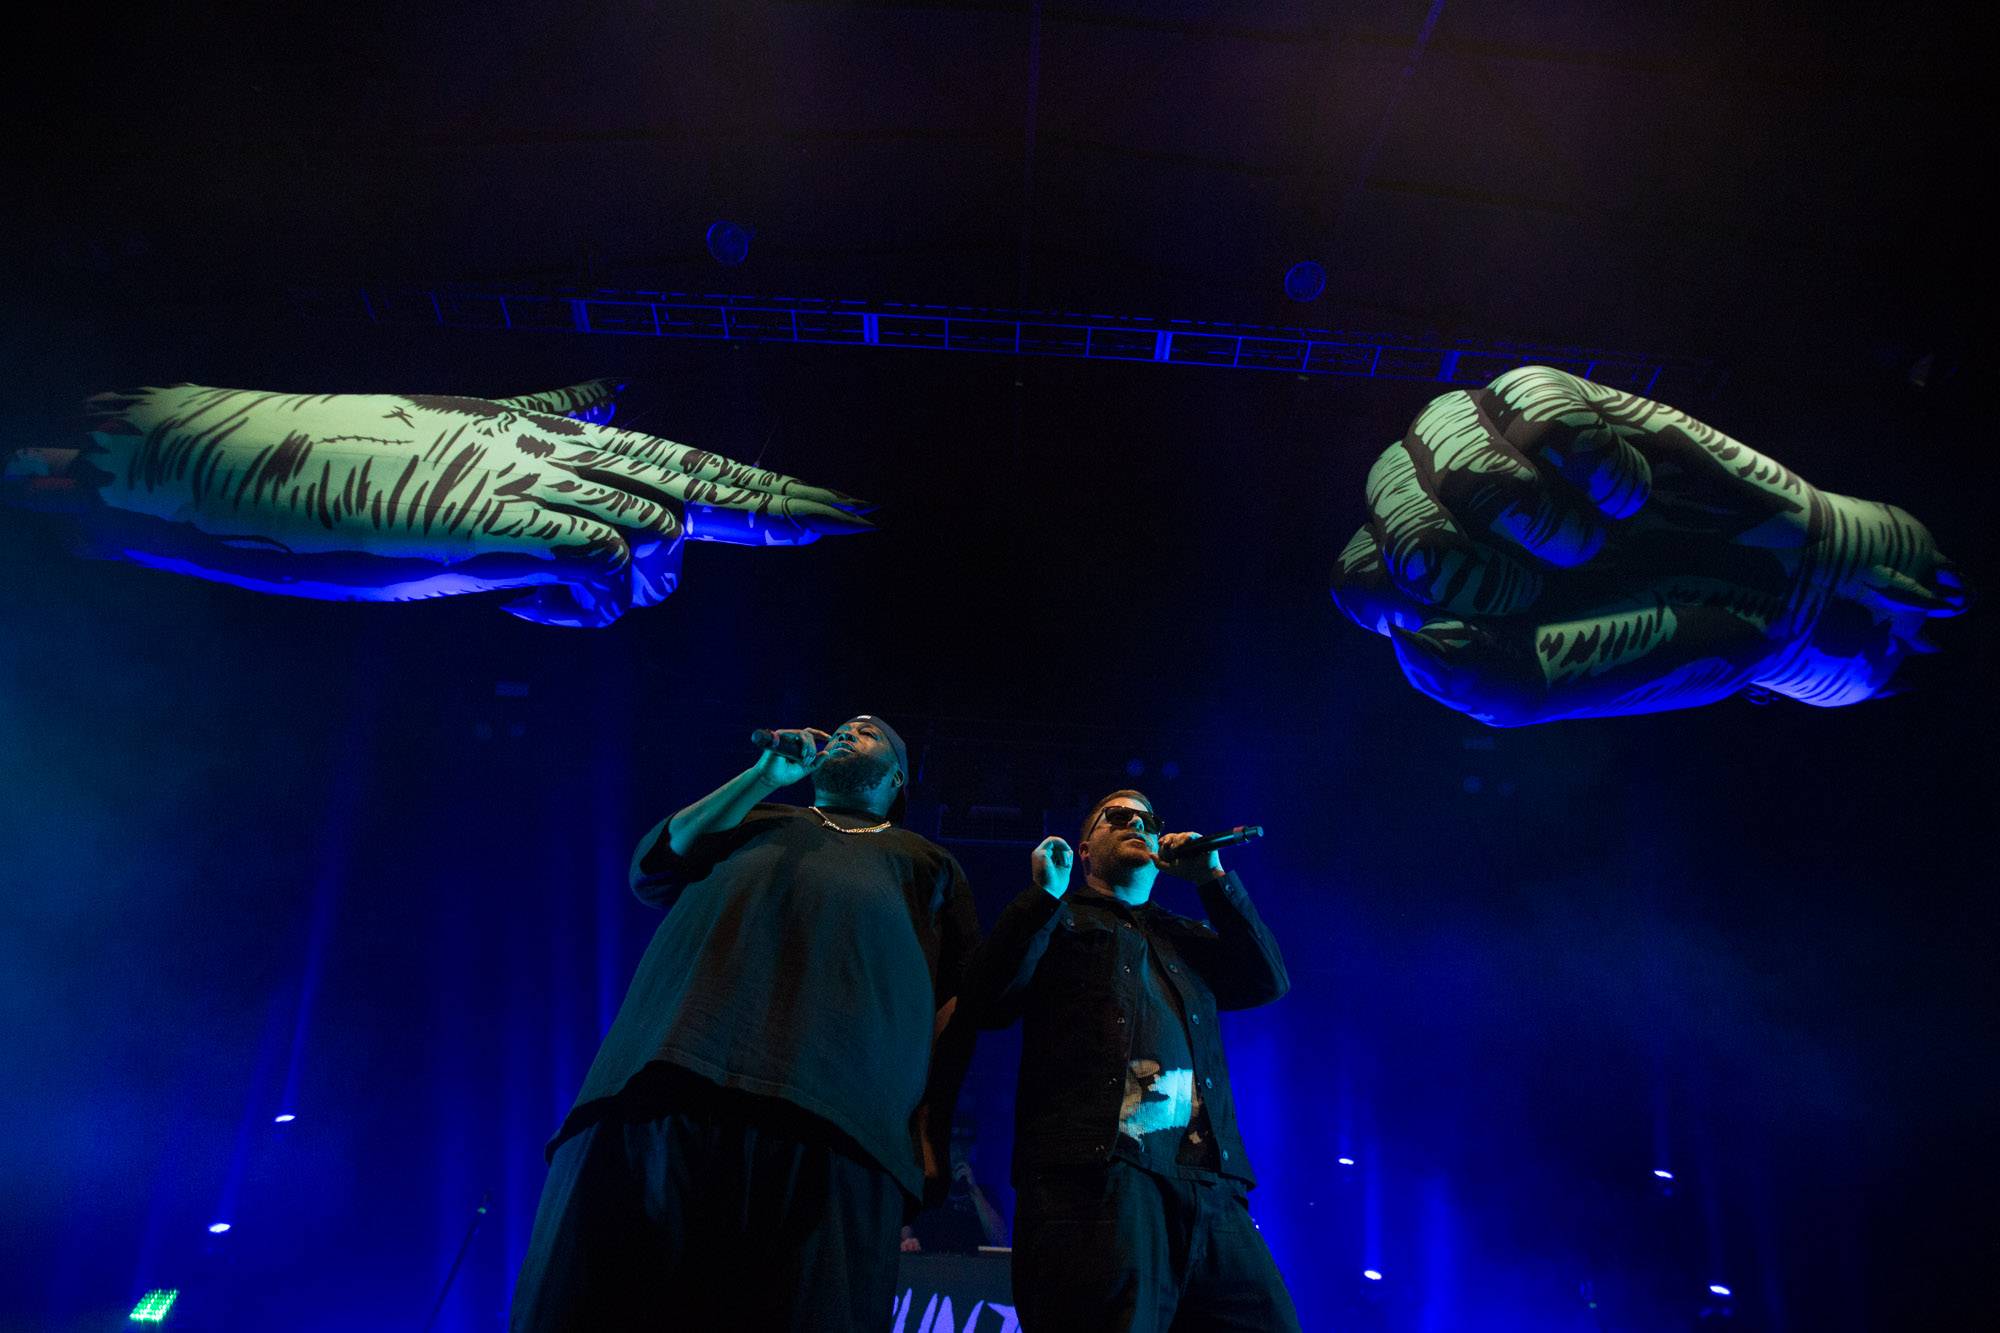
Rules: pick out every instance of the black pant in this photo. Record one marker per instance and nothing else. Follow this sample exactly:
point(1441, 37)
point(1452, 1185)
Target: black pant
point(721, 1211)
point(1106, 1249)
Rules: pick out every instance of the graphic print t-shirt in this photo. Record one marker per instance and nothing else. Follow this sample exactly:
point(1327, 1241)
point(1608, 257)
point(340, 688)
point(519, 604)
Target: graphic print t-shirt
point(1162, 1124)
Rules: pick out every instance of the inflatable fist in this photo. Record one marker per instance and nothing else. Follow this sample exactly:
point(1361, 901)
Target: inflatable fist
point(1548, 548)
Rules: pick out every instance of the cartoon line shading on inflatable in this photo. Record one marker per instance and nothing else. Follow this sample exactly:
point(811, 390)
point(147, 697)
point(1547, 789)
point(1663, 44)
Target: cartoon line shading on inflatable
point(1548, 548)
point(395, 497)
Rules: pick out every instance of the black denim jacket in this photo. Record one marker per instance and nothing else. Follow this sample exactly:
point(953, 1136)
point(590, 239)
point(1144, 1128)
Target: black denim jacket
point(1069, 969)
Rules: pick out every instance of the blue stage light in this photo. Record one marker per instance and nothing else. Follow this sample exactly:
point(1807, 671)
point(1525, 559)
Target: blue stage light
point(1305, 280)
point(285, 1119)
point(1663, 1173)
point(1719, 1289)
point(1345, 1161)
point(217, 1228)
point(1371, 1275)
point(728, 242)
point(154, 1305)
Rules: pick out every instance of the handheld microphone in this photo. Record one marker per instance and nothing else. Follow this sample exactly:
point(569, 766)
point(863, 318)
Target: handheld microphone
point(791, 747)
point(1208, 842)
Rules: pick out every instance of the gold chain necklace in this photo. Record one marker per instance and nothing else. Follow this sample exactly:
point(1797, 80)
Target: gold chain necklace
point(872, 828)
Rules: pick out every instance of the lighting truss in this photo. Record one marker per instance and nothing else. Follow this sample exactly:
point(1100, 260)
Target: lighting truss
point(944, 328)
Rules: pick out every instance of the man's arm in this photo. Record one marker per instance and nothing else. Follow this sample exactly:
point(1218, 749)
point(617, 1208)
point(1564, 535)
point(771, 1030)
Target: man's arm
point(1234, 951)
point(997, 975)
point(725, 807)
point(658, 869)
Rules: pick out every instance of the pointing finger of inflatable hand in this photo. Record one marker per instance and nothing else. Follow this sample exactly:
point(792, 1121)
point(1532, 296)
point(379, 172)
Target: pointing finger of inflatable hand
point(767, 522)
point(759, 517)
point(602, 497)
point(701, 465)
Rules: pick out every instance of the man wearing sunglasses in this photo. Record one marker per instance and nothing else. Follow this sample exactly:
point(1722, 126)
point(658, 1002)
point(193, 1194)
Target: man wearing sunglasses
point(1130, 1176)
point(749, 1138)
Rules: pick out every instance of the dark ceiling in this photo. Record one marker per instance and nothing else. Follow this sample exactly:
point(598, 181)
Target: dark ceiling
point(1706, 180)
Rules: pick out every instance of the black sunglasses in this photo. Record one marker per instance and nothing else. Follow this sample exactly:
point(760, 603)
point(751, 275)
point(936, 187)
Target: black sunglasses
point(1124, 816)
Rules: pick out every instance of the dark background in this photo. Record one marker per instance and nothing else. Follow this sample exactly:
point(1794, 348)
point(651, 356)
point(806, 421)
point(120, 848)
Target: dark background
point(365, 863)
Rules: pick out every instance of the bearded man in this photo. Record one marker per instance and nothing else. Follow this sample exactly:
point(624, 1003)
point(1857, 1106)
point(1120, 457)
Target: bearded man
point(765, 1110)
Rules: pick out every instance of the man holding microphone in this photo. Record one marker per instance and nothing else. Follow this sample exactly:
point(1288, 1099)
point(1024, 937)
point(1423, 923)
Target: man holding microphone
point(756, 1120)
point(1129, 1174)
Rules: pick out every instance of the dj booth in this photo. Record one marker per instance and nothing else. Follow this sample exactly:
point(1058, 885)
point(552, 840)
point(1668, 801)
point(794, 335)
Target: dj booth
point(955, 1293)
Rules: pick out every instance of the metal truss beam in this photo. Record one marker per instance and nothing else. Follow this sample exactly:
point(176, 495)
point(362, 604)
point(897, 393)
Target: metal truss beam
point(944, 328)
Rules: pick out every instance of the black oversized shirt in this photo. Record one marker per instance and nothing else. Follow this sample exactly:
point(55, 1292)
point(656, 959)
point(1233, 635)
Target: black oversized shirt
point(795, 962)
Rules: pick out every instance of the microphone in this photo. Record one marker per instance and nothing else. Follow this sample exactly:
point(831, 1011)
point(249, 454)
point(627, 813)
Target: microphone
point(791, 747)
point(1208, 842)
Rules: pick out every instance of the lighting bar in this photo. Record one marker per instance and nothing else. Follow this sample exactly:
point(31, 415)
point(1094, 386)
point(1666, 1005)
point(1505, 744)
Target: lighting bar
point(947, 328)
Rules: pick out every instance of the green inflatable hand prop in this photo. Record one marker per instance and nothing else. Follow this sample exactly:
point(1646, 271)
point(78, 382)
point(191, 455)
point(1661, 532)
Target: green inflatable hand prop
point(1548, 548)
point(389, 497)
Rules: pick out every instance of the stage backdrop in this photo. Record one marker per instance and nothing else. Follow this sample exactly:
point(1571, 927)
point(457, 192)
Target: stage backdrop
point(363, 865)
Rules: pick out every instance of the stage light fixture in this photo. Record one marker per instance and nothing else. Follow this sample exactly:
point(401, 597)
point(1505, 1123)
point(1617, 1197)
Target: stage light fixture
point(1719, 1289)
point(728, 242)
point(154, 1305)
point(217, 1228)
point(1345, 1161)
point(1663, 1173)
point(1305, 280)
point(285, 1119)
point(1371, 1275)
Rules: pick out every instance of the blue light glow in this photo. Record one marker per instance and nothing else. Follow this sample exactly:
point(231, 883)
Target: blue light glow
point(217, 1228)
point(1346, 1161)
point(1719, 1289)
point(285, 1119)
point(1371, 1275)
point(1663, 1173)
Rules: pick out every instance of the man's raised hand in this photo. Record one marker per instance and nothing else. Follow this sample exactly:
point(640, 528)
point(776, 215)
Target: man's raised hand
point(1197, 867)
point(1050, 864)
point(778, 770)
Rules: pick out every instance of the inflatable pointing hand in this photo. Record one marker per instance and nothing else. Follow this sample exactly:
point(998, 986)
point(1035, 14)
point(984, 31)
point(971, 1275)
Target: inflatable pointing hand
point(1548, 548)
point(389, 497)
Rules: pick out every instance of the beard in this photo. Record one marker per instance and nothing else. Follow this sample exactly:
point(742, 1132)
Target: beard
point(1120, 861)
point(851, 778)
